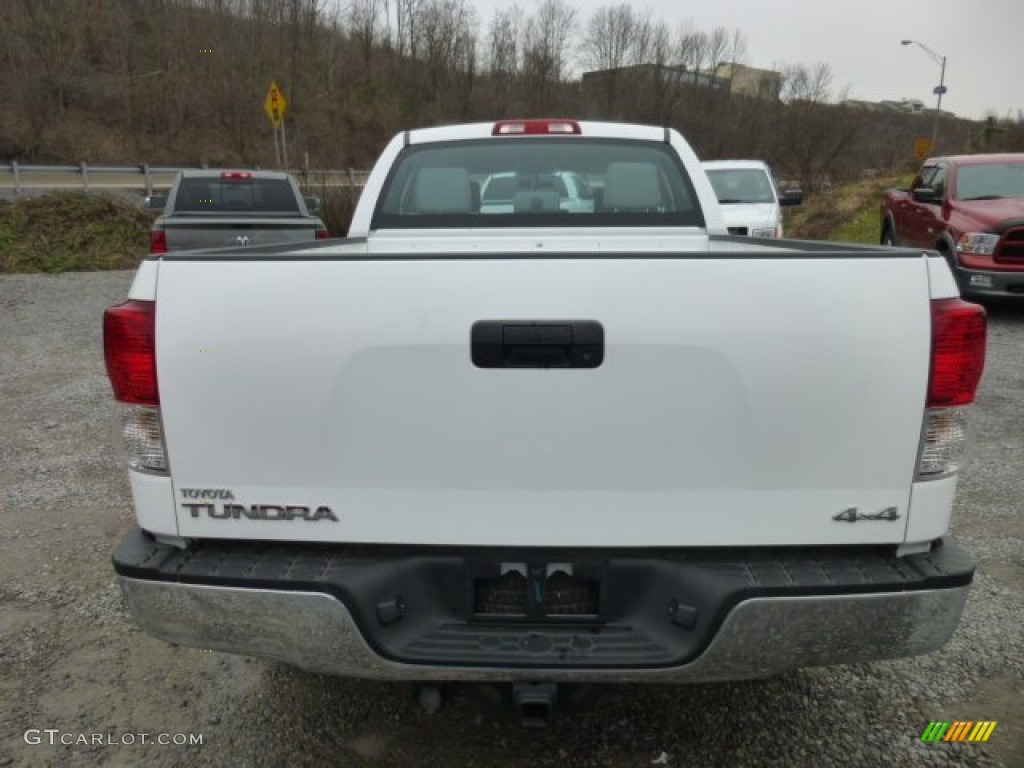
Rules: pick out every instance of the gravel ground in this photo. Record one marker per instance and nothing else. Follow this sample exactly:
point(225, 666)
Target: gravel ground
point(71, 660)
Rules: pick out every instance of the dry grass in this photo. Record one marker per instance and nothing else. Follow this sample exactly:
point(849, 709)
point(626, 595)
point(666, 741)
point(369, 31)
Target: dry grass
point(65, 232)
point(843, 214)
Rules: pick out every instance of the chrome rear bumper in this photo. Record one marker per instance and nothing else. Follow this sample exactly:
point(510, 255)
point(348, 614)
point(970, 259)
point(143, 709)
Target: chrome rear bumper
point(759, 637)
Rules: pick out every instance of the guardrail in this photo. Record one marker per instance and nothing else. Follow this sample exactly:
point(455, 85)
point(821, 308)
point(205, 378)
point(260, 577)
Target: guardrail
point(145, 178)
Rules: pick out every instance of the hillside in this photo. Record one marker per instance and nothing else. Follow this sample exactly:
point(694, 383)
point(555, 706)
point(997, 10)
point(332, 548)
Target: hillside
point(184, 81)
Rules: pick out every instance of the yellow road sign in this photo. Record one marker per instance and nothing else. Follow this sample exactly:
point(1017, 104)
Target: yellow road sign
point(276, 105)
point(922, 147)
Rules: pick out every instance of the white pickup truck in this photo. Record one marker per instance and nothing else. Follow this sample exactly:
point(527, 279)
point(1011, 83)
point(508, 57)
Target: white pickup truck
point(541, 444)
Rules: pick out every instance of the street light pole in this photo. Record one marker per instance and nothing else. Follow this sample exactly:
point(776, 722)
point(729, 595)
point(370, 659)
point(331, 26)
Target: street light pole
point(941, 89)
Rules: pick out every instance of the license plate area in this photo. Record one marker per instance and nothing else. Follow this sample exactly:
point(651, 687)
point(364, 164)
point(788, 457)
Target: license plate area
point(537, 591)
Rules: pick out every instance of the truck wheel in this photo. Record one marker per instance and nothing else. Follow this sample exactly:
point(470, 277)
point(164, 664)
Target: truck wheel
point(887, 239)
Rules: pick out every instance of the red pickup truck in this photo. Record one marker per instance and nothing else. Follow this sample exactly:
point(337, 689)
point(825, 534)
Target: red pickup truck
point(970, 208)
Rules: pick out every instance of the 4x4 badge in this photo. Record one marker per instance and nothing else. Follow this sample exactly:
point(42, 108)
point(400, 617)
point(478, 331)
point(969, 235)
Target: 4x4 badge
point(853, 515)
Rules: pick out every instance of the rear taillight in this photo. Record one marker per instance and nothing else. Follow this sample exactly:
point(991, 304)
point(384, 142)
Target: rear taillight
point(322, 234)
point(958, 352)
point(142, 435)
point(236, 174)
point(541, 127)
point(129, 346)
point(157, 241)
point(957, 360)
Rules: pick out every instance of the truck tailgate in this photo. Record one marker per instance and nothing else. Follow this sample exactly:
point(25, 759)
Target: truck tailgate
point(740, 401)
point(186, 233)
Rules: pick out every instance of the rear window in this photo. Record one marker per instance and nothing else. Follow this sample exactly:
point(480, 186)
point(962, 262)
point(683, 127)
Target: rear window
point(217, 195)
point(537, 182)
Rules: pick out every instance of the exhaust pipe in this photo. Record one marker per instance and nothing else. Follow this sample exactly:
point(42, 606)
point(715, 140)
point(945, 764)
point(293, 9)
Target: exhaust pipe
point(535, 703)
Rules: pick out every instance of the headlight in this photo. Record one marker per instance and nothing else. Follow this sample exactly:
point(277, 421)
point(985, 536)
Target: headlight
point(762, 232)
point(979, 243)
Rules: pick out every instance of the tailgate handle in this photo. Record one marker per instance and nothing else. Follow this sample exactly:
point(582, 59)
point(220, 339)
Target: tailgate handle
point(537, 344)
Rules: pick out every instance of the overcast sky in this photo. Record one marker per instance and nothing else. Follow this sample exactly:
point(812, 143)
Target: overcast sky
point(860, 41)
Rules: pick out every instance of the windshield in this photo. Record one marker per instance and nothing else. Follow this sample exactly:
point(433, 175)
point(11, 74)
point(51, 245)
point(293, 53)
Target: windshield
point(990, 181)
point(537, 182)
point(741, 185)
point(246, 195)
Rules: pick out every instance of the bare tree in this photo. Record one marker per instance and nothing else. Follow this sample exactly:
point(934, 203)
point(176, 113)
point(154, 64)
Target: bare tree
point(692, 49)
point(814, 133)
point(664, 91)
point(365, 27)
point(807, 84)
point(608, 46)
point(545, 50)
point(503, 55)
point(407, 15)
point(609, 39)
point(449, 42)
point(717, 46)
point(737, 50)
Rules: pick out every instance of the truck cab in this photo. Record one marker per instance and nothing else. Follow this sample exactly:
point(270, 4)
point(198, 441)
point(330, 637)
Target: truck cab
point(970, 208)
point(214, 209)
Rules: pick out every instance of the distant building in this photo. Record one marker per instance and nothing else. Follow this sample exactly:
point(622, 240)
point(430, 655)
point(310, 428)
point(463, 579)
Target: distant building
point(750, 81)
point(726, 77)
point(914, 106)
point(614, 93)
point(870, 106)
point(637, 73)
point(904, 105)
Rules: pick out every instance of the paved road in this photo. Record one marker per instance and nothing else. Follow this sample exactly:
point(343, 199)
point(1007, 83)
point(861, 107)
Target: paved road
point(70, 659)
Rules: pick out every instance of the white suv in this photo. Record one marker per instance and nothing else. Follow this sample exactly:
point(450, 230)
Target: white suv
point(565, 191)
point(751, 202)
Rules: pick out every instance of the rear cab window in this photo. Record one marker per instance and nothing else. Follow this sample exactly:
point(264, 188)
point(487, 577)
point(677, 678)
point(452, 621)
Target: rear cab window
point(537, 182)
point(217, 194)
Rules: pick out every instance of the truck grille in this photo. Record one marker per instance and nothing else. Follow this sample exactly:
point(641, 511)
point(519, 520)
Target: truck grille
point(1011, 247)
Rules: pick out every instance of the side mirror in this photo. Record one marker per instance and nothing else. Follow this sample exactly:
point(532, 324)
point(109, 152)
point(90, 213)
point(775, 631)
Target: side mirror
point(156, 202)
point(926, 195)
point(791, 197)
point(312, 204)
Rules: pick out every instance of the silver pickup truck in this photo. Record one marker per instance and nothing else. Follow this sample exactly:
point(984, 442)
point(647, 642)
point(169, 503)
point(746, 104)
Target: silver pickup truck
point(213, 209)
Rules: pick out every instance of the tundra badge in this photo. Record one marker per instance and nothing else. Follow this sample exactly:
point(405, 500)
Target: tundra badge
point(204, 501)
